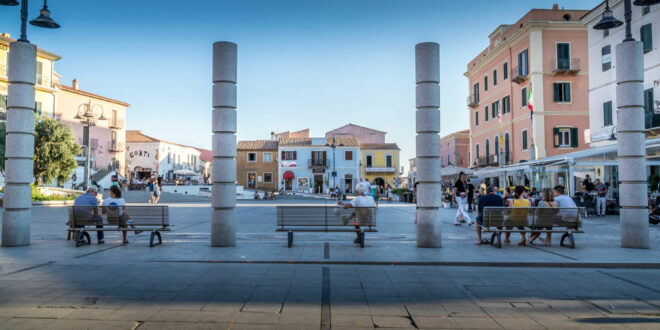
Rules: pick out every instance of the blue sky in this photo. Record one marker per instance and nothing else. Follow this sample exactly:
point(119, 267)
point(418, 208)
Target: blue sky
point(302, 64)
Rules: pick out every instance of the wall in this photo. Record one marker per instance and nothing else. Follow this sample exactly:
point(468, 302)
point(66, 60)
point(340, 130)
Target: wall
point(379, 162)
point(142, 154)
point(243, 167)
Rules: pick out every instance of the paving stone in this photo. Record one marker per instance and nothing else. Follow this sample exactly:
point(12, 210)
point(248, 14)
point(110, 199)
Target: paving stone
point(70, 324)
point(113, 325)
point(435, 322)
point(129, 314)
point(476, 323)
point(257, 318)
point(171, 316)
point(349, 320)
point(213, 317)
point(392, 322)
point(517, 323)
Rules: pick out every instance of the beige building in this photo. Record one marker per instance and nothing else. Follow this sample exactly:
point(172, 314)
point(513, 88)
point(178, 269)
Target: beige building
point(256, 164)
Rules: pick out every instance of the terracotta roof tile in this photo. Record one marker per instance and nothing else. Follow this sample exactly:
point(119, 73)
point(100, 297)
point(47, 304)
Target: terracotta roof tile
point(307, 142)
point(257, 145)
point(379, 146)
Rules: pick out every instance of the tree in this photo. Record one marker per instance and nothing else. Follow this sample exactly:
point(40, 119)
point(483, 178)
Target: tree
point(55, 148)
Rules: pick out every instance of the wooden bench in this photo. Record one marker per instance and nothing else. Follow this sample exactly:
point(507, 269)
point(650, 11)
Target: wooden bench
point(498, 220)
point(83, 219)
point(324, 218)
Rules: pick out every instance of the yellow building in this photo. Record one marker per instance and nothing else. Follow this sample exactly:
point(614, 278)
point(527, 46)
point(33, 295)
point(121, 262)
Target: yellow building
point(380, 163)
point(45, 89)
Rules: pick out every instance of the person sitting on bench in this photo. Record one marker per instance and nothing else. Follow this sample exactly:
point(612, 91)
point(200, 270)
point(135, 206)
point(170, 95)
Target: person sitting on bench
point(86, 208)
point(362, 200)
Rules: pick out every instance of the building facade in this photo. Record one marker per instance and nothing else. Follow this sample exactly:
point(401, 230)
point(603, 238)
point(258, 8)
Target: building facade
point(602, 70)
point(363, 134)
point(307, 164)
point(455, 149)
point(541, 59)
point(256, 164)
point(148, 157)
point(380, 163)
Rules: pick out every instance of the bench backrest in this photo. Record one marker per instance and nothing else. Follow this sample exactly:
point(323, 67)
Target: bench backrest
point(311, 216)
point(139, 215)
point(541, 217)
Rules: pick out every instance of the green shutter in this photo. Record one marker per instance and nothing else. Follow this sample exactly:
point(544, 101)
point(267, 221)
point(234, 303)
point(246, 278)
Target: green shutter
point(486, 113)
point(555, 132)
point(567, 92)
point(574, 137)
point(524, 96)
point(646, 36)
point(556, 88)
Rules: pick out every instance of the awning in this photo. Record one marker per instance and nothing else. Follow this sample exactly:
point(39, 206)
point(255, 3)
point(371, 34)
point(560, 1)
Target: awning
point(288, 175)
point(184, 172)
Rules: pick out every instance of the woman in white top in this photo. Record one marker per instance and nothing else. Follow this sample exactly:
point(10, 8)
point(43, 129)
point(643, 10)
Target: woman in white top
point(116, 202)
point(361, 201)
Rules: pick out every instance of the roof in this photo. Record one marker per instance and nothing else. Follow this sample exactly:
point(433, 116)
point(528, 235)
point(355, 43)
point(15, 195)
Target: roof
point(307, 142)
point(353, 125)
point(138, 136)
point(257, 145)
point(205, 155)
point(43, 53)
point(379, 146)
point(85, 93)
point(464, 134)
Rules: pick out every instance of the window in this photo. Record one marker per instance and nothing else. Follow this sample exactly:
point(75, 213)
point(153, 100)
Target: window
point(563, 56)
point(3, 107)
point(562, 92)
point(268, 157)
point(477, 151)
point(289, 155)
point(40, 73)
point(348, 155)
point(388, 161)
point(523, 96)
point(651, 120)
point(252, 157)
point(486, 116)
point(476, 118)
point(485, 83)
point(523, 63)
point(495, 109)
point(606, 57)
point(607, 113)
point(506, 104)
point(318, 158)
point(369, 160)
point(268, 177)
point(475, 91)
point(524, 139)
point(496, 152)
point(169, 157)
point(505, 71)
point(494, 77)
point(646, 37)
point(606, 33)
point(487, 151)
point(646, 10)
point(507, 150)
point(38, 108)
point(565, 137)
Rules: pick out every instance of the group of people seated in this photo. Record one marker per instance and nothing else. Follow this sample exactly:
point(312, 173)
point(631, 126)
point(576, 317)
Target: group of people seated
point(266, 195)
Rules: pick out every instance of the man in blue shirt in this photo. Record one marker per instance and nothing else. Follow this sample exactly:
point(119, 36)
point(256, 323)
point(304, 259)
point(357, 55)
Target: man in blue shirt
point(491, 198)
point(89, 213)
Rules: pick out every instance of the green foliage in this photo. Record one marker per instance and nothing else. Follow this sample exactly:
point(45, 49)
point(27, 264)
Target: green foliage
point(400, 191)
point(38, 196)
point(653, 181)
point(55, 149)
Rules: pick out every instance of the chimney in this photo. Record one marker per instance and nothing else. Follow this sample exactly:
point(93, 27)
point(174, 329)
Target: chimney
point(555, 7)
point(6, 35)
point(74, 84)
point(272, 136)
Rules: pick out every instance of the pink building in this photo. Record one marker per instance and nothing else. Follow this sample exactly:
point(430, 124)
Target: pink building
point(363, 134)
point(455, 149)
point(545, 52)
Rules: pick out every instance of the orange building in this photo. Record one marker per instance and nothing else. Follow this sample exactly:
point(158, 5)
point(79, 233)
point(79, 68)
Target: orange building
point(544, 52)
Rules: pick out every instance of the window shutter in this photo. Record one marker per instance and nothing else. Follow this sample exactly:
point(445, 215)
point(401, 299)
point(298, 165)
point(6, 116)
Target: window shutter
point(523, 93)
point(324, 158)
point(567, 92)
point(574, 137)
point(646, 36)
point(555, 137)
point(295, 155)
point(556, 88)
point(283, 158)
point(486, 113)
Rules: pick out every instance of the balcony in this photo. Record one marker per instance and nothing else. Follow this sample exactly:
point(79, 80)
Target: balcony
point(116, 123)
point(3, 70)
point(565, 66)
point(380, 169)
point(318, 163)
point(43, 80)
point(491, 160)
point(473, 101)
point(115, 146)
point(519, 75)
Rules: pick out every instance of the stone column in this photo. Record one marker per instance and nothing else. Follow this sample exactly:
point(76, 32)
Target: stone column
point(19, 144)
point(429, 188)
point(223, 195)
point(631, 147)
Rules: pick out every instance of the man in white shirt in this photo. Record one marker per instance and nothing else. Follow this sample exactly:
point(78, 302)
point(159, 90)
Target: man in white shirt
point(361, 201)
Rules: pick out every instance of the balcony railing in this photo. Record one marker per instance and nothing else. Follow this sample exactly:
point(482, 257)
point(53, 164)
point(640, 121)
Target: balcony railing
point(115, 146)
point(565, 65)
point(473, 100)
point(380, 169)
point(116, 123)
point(519, 75)
point(318, 163)
point(492, 160)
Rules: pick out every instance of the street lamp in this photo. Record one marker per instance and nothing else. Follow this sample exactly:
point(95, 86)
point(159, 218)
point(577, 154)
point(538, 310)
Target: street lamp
point(613, 134)
point(631, 154)
point(20, 128)
point(334, 165)
point(88, 118)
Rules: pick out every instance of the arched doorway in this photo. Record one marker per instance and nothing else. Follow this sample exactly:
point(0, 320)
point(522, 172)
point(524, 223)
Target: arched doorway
point(379, 182)
point(288, 180)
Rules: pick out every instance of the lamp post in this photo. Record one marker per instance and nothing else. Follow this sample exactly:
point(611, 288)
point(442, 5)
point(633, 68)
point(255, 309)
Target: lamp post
point(88, 118)
point(630, 128)
point(19, 148)
point(334, 163)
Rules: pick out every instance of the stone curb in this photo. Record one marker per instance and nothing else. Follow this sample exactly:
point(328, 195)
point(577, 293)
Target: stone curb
point(51, 203)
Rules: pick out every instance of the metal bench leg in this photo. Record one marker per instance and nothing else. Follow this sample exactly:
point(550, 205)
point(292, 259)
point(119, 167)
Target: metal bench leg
point(289, 238)
point(571, 240)
point(151, 240)
point(492, 238)
point(362, 235)
point(498, 240)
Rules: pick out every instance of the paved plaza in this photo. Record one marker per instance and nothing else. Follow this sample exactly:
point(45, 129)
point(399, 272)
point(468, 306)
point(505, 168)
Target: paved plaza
point(324, 280)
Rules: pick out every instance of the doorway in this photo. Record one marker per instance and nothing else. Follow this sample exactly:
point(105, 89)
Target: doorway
point(252, 180)
point(379, 182)
point(318, 183)
point(288, 184)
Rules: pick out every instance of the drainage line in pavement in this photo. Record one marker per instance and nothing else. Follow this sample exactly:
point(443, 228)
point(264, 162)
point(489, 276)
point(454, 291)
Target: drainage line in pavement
point(629, 281)
point(28, 268)
point(325, 300)
point(95, 252)
point(433, 263)
point(551, 252)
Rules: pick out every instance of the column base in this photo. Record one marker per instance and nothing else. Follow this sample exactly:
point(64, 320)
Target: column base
point(428, 228)
point(223, 228)
point(634, 228)
point(16, 227)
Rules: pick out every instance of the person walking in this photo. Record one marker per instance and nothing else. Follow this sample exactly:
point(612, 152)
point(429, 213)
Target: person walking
point(470, 195)
point(491, 198)
point(601, 198)
point(518, 216)
point(460, 197)
point(85, 206)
